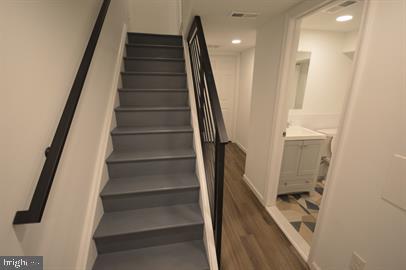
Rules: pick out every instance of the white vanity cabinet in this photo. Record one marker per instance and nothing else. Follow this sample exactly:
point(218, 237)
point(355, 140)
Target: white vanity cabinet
point(300, 166)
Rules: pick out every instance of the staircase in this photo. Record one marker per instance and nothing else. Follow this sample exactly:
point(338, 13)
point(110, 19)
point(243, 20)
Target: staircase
point(152, 217)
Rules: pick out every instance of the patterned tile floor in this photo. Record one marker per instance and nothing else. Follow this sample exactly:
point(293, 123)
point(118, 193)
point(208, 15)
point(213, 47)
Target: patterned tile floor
point(301, 210)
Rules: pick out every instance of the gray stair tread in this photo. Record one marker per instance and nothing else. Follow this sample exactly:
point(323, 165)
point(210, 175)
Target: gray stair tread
point(153, 35)
point(147, 130)
point(155, 59)
point(117, 157)
point(132, 108)
point(180, 256)
point(155, 45)
point(148, 219)
point(151, 183)
point(153, 90)
point(151, 73)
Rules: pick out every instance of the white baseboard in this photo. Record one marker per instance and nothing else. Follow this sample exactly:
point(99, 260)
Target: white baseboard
point(89, 222)
point(314, 266)
point(293, 236)
point(253, 189)
point(241, 147)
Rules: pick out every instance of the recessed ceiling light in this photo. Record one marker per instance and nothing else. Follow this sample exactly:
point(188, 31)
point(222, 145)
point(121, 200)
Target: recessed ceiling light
point(236, 41)
point(344, 18)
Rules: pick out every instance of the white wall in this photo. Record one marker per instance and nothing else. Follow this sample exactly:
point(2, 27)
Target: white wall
point(354, 215)
point(268, 49)
point(187, 16)
point(244, 97)
point(42, 45)
point(350, 42)
point(155, 16)
point(327, 80)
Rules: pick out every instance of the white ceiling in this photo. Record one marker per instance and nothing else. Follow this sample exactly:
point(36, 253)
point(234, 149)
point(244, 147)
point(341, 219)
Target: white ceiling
point(220, 28)
point(325, 21)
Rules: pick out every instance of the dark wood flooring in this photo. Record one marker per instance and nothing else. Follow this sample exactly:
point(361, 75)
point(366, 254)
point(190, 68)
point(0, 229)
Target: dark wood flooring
point(251, 239)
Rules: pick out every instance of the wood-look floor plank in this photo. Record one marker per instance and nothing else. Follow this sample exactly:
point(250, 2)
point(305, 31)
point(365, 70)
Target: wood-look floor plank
point(251, 239)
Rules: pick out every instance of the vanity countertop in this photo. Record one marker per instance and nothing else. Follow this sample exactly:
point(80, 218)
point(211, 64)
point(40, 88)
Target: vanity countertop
point(300, 133)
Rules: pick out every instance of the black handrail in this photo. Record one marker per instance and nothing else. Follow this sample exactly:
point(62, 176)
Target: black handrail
point(213, 133)
point(54, 152)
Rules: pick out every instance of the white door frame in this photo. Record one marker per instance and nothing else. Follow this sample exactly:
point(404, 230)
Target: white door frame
point(275, 154)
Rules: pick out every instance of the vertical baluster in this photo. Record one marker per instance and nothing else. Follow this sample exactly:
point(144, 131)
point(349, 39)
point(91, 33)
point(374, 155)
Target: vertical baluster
point(193, 66)
point(219, 192)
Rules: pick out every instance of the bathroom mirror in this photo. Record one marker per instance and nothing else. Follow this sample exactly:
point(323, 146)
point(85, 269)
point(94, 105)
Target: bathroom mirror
point(300, 79)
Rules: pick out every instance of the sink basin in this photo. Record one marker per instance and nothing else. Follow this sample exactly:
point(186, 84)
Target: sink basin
point(301, 133)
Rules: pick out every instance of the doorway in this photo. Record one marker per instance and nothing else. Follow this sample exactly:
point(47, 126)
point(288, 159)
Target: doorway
point(225, 69)
point(319, 76)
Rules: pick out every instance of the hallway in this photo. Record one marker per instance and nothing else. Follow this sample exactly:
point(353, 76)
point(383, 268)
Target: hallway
point(251, 239)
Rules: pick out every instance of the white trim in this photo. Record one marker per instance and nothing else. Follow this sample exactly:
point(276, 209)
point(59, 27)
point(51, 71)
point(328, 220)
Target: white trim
point(280, 114)
point(302, 247)
point(240, 146)
point(253, 189)
point(179, 15)
point(236, 96)
point(314, 266)
point(201, 174)
point(89, 220)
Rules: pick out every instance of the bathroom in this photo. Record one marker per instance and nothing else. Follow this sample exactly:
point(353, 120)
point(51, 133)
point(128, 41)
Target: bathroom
point(317, 97)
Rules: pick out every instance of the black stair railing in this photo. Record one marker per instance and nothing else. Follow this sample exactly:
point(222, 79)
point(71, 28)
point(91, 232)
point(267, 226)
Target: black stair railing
point(213, 133)
point(54, 152)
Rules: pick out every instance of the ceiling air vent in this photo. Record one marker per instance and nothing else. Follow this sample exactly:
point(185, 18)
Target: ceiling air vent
point(241, 14)
point(340, 6)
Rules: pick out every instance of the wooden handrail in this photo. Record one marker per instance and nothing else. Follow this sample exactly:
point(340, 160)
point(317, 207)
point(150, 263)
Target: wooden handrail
point(54, 152)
